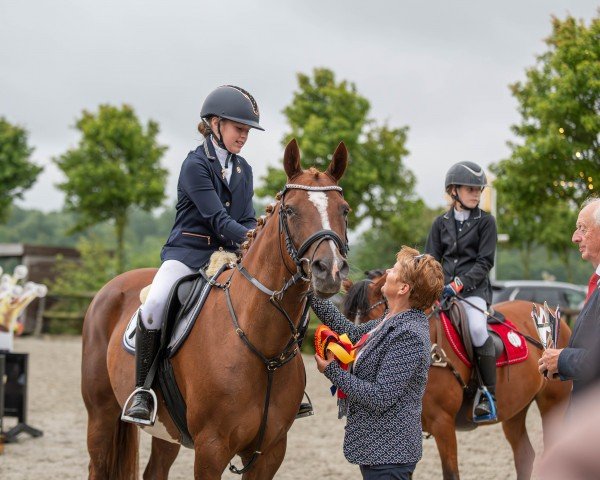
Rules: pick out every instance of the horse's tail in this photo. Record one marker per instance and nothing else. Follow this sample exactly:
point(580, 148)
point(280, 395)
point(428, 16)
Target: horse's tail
point(123, 461)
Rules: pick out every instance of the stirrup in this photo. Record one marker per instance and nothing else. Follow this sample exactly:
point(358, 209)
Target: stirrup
point(305, 409)
point(140, 421)
point(490, 417)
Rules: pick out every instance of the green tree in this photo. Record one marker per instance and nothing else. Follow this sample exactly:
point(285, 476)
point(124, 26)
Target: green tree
point(17, 172)
point(115, 167)
point(377, 247)
point(559, 103)
point(557, 161)
point(324, 112)
point(95, 267)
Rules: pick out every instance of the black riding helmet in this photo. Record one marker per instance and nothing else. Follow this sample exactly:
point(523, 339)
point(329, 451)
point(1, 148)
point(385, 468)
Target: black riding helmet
point(464, 173)
point(232, 103)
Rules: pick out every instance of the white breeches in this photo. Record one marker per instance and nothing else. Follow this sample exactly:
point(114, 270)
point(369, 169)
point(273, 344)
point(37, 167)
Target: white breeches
point(477, 320)
point(153, 308)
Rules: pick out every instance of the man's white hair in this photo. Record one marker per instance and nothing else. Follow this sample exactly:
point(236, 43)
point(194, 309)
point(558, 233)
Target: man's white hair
point(589, 201)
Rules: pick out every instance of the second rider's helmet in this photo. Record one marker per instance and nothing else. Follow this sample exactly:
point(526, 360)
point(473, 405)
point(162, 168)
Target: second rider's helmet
point(465, 173)
point(232, 103)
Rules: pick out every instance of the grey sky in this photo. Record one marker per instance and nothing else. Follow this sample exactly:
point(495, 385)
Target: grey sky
point(442, 68)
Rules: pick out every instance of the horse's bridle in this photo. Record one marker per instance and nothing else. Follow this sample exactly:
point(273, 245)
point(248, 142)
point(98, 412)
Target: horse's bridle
point(301, 275)
point(297, 255)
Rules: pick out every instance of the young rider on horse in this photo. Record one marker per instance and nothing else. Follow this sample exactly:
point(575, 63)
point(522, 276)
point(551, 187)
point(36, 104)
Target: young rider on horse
point(464, 240)
point(214, 212)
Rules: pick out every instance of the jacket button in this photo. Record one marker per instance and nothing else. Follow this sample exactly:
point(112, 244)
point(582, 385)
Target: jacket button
point(227, 204)
point(455, 260)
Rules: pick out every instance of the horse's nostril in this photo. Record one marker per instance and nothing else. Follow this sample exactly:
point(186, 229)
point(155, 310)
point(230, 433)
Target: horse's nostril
point(344, 269)
point(320, 268)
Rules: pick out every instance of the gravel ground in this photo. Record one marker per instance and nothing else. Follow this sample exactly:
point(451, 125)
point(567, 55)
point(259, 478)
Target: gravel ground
point(314, 443)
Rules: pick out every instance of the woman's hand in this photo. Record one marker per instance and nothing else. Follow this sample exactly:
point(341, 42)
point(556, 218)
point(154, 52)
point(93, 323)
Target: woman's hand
point(322, 364)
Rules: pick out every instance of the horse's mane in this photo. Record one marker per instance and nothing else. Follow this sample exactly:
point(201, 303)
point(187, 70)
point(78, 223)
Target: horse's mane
point(260, 223)
point(357, 298)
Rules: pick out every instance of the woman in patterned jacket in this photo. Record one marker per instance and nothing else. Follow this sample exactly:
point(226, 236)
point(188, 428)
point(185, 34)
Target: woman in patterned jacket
point(387, 381)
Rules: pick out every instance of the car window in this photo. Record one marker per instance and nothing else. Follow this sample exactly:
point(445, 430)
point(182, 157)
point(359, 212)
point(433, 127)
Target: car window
point(500, 294)
point(524, 293)
point(540, 295)
point(550, 295)
point(575, 298)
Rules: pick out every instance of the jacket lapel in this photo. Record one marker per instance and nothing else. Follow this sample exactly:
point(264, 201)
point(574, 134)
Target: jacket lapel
point(449, 223)
point(236, 173)
point(209, 150)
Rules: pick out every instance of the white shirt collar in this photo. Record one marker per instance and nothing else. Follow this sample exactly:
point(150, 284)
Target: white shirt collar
point(222, 154)
point(462, 215)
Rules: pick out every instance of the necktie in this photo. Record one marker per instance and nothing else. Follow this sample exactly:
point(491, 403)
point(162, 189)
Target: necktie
point(592, 285)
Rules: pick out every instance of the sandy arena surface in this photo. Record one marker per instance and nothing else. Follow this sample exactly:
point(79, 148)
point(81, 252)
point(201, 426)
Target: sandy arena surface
point(314, 443)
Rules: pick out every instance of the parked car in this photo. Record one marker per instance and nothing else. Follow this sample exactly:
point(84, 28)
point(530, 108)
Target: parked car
point(569, 296)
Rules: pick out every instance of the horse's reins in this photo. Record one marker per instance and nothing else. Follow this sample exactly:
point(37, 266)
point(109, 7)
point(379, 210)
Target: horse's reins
point(531, 340)
point(297, 334)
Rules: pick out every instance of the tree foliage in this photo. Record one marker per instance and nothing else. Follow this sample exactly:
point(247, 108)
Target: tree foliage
point(559, 104)
point(377, 247)
point(324, 112)
point(556, 164)
point(17, 172)
point(115, 166)
point(95, 267)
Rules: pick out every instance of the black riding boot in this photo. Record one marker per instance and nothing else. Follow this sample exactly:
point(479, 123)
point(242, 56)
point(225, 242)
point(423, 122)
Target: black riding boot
point(486, 361)
point(147, 343)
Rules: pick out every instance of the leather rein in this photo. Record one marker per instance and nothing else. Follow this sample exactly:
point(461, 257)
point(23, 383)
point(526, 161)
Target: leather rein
point(301, 274)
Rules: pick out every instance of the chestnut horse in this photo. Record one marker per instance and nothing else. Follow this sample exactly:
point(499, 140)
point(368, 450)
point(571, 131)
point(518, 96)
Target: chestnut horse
point(518, 385)
point(224, 373)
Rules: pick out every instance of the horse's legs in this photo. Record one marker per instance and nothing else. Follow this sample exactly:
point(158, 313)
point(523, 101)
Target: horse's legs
point(267, 464)
point(162, 456)
point(112, 444)
point(552, 401)
point(443, 430)
point(523, 452)
point(211, 457)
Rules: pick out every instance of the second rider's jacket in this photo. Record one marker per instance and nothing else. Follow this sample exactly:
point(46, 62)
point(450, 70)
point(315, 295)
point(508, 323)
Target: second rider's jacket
point(468, 254)
point(212, 213)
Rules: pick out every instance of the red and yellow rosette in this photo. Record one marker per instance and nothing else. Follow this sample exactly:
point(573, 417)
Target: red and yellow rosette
point(326, 340)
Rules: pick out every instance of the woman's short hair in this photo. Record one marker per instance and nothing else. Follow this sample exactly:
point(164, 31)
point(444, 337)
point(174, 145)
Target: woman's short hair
point(424, 274)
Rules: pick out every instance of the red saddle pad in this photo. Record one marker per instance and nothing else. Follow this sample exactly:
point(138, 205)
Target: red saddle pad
point(515, 345)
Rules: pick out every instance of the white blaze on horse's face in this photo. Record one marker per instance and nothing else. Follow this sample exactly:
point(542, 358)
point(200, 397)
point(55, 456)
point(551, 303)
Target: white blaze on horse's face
point(319, 200)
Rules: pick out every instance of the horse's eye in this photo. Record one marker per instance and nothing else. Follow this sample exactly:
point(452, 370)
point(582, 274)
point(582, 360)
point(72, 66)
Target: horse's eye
point(346, 211)
point(289, 210)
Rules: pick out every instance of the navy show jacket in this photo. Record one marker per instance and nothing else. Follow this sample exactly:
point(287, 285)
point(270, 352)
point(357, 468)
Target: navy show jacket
point(211, 213)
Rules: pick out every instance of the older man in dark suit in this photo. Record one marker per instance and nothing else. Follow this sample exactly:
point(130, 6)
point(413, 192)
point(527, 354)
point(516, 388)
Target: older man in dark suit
point(579, 361)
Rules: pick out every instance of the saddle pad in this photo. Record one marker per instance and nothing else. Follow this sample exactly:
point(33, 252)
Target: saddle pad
point(515, 345)
point(180, 330)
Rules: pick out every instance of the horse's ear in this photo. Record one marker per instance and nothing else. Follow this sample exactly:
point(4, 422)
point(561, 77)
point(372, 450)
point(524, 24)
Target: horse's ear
point(338, 164)
point(291, 160)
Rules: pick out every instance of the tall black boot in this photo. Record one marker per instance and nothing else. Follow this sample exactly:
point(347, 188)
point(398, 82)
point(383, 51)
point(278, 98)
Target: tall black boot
point(486, 361)
point(147, 343)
